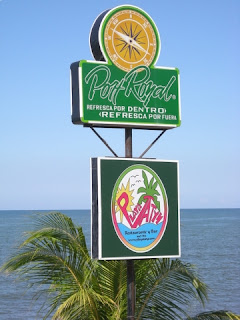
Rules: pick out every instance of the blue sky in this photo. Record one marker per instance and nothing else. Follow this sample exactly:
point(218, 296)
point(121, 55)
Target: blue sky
point(45, 159)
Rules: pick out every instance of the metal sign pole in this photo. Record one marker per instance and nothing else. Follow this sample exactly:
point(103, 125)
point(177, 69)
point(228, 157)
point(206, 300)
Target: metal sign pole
point(103, 95)
point(130, 263)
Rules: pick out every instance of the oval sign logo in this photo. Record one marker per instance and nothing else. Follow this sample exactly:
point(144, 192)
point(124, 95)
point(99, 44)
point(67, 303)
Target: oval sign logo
point(139, 208)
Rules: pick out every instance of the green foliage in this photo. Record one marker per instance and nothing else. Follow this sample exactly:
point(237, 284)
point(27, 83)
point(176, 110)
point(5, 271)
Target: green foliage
point(55, 257)
point(217, 315)
point(149, 190)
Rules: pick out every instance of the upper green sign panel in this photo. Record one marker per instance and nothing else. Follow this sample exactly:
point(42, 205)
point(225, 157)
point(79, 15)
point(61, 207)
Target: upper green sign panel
point(124, 89)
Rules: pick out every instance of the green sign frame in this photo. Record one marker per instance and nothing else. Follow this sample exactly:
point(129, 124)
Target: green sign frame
point(135, 209)
point(105, 96)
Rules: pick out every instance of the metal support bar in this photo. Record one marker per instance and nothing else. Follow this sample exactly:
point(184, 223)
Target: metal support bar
point(131, 296)
point(128, 142)
point(98, 135)
point(158, 137)
point(131, 293)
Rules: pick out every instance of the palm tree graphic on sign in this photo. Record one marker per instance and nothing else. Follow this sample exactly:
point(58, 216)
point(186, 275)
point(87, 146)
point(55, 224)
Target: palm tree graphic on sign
point(149, 191)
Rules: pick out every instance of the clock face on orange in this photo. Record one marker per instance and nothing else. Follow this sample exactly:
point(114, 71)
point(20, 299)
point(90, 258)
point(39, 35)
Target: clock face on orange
point(129, 38)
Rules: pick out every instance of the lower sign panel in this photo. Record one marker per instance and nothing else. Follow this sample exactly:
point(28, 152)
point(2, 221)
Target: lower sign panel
point(135, 208)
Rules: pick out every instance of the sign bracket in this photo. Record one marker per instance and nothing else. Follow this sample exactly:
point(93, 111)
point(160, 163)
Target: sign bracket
point(150, 146)
point(104, 141)
point(127, 143)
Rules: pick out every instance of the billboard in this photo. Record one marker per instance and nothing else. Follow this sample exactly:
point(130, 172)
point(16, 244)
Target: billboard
point(123, 88)
point(135, 208)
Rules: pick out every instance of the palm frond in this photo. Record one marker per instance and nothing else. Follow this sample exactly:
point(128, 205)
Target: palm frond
point(55, 256)
point(165, 287)
point(145, 179)
point(112, 278)
point(151, 183)
point(216, 315)
point(142, 190)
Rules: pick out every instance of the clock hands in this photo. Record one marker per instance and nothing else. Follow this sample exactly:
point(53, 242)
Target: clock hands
point(130, 41)
point(126, 38)
point(137, 45)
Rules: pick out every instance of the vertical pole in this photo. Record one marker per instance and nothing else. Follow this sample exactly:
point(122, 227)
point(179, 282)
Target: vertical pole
point(130, 289)
point(130, 263)
point(128, 142)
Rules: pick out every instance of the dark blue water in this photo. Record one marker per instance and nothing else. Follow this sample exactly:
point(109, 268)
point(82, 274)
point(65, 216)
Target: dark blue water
point(210, 239)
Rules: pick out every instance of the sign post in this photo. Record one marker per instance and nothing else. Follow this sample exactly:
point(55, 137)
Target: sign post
point(135, 202)
point(131, 296)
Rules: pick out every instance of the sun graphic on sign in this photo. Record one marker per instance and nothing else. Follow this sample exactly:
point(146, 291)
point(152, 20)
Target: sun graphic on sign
point(120, 191)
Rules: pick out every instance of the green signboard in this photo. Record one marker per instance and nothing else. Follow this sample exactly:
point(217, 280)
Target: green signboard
point(105, 95)
point(124, 88)
point(135, 208)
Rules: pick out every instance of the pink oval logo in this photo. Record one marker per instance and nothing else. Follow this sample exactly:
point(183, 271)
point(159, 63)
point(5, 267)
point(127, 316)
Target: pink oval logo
point(139, 208)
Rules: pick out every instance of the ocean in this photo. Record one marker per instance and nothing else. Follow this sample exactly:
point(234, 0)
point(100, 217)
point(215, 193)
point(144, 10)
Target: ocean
point(210, 239)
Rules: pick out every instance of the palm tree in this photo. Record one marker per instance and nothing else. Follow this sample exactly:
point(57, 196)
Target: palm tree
point(149, 190)
point(55, 256)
